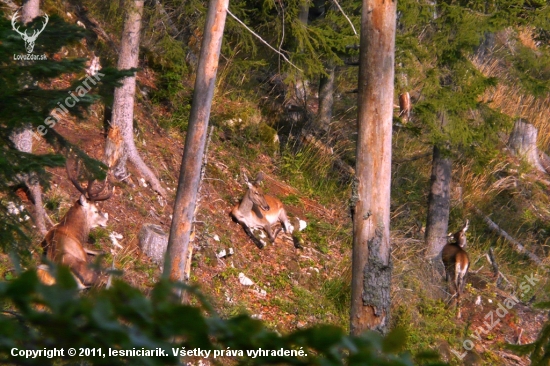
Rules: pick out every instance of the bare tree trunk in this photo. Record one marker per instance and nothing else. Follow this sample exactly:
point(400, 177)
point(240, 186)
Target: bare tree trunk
point(326, 99)
point(301, 82)
point(30, 10)
point(371, 263)
point(22, 138)
point(195, 141)
point(439, 203)
point(523, 142)
point(120, 145)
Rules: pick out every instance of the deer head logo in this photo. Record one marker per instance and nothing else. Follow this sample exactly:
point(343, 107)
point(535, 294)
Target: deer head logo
point(29, 40)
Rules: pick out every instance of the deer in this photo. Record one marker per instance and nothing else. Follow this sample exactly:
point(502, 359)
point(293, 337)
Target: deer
point(456, 262)
point(64, 243)
point(29, 40)
point(259, 211)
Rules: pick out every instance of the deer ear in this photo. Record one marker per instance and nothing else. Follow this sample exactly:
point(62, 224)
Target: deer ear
point(83, 201)
point(259, 177)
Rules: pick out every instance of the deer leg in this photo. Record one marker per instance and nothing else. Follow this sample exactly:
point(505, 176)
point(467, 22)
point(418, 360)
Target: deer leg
point(284, 219)
point(249, 232)
point(272, 235)
point(92, 252)
point(84, 275)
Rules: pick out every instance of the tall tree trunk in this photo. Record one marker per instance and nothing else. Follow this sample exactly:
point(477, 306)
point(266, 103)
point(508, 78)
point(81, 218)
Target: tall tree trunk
point(326, 99)
point(439, 202)
point(120, 145)
point(195, 141)
point(371, 262)
point(22, 138)
point(301, 82)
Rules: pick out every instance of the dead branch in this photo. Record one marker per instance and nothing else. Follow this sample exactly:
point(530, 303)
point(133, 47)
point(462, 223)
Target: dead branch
point(515, 244)
point(345, 15)
point(262, 40)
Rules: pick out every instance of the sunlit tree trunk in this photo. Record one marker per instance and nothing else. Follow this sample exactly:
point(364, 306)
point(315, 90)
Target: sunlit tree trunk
point(120, 146)
point(195, 141)
point(371, 263)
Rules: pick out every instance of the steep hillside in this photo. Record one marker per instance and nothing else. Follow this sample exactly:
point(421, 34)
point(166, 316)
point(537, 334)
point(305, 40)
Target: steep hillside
point(254, 130)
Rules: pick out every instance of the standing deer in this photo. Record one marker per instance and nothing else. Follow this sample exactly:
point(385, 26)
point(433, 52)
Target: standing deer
point(456, 263)
point(259, 211)
point(64, 243)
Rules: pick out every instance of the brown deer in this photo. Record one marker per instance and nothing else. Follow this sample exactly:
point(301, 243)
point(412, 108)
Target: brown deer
point(259, 211)
point(456, 263)
point(64, 243)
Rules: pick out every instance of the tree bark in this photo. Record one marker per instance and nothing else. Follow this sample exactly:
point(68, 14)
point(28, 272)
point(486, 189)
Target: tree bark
point(439, 203)
point(120, 145)
point(153, 242)
point(523, 143)
point(326, 99)
point(22, 138)
point(301, 82)
point(30, 10)
point(371, 262)
point(195, 141)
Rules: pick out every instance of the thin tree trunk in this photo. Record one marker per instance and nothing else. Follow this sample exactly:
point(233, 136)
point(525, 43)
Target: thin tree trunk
point(301, 82)
point(195, 141)
point(120, 145)
point(326, 99)
point(30, 10)
point(439, 202)
point(22, 138)
point(371, 263)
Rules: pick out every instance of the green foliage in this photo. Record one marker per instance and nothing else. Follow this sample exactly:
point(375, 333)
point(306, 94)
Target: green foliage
point(311, 170)
point(123, 318)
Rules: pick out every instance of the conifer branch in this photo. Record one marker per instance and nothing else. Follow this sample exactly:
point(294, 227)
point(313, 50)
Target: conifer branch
point(262, 40)
point(344, 14)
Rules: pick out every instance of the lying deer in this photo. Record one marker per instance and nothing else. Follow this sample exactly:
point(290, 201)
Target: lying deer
point(64, 243)
point(456, 263)
point(259, 211)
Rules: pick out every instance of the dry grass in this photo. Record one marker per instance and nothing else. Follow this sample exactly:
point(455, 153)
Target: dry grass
point(506, 96)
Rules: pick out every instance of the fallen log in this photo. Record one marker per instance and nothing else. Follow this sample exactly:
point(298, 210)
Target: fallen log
point(515, 244)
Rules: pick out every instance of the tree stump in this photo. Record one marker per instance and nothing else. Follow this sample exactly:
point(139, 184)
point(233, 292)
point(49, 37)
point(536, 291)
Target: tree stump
point(523, 143)
point(153, 241)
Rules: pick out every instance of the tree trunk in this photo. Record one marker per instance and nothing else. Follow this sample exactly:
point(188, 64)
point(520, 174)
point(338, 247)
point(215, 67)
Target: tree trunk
point(523, 143)
point(195, 141)
point(30, 10)
point(371, 262)
point(153, 242)
point(120, 145)
point(326, 100)
point(301, 82)
point(22, 138)
point(439, 201)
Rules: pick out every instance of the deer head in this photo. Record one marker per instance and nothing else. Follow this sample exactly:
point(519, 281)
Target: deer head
point(90, 196)
point(29, 39)
point(255, 193)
